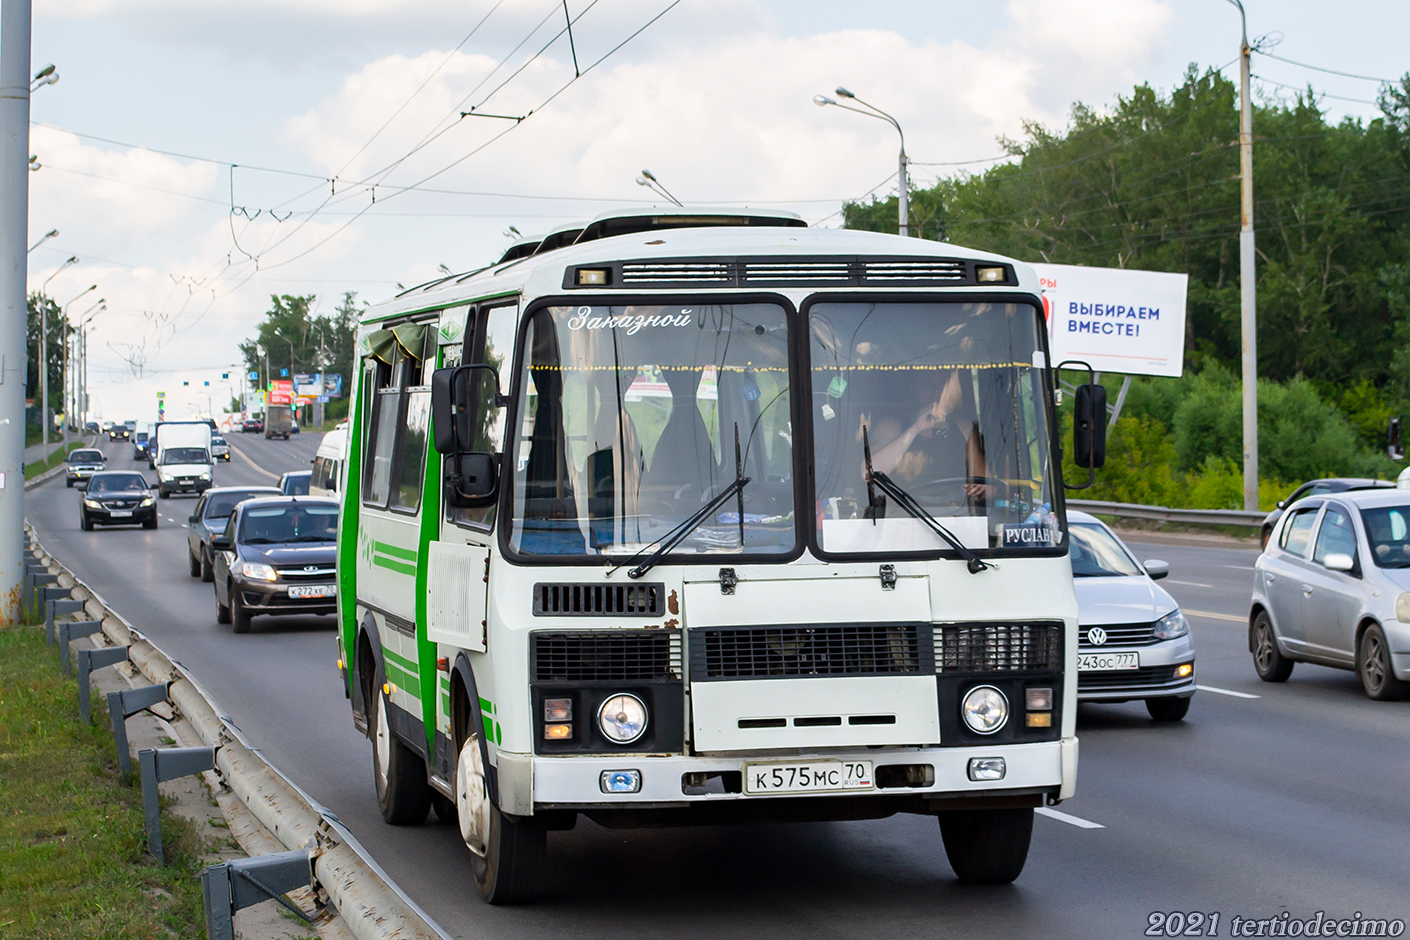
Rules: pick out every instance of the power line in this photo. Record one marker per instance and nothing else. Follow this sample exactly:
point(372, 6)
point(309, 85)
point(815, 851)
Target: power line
point(1318, 68)
point(1311, 91)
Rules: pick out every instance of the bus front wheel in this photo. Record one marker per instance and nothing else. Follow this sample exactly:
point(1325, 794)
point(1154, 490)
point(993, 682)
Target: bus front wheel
point(506, 851)
point(987, 846)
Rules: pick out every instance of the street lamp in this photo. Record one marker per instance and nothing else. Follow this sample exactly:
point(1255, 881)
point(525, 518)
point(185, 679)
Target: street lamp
point(43, 368)
point(70, 377)
point(904, 200)
point(45, 76)
point(81, 378)
point(52, 233)
point(649, 180)
point(1248, 298)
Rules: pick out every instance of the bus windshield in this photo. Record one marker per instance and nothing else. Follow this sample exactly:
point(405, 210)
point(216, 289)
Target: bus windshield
point(627, 427)
point(947, 398)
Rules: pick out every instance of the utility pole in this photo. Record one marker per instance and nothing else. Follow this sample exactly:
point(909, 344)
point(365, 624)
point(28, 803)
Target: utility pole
point(1247, 274)
point(15, 24)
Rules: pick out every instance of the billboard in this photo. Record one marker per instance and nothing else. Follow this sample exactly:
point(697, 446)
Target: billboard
point(281, 392)
point(1130, 322)
point(318, 385)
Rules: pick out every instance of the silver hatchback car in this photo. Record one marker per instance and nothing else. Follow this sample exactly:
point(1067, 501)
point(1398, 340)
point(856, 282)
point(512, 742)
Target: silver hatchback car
point(1133, 642)
point(1333, 588)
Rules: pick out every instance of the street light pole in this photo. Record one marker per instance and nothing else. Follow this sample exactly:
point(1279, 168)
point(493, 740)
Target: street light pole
point(15, 24)
point(903, 183)
point(1248, 307)
point(44, 356)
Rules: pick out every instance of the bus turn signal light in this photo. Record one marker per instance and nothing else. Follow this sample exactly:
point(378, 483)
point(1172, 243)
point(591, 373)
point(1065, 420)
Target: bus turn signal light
point(558, 732)
point(1038, 719)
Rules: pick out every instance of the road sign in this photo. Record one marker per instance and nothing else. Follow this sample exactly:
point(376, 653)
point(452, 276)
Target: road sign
point(283, 373)
point(254, 376)
point(161, 395)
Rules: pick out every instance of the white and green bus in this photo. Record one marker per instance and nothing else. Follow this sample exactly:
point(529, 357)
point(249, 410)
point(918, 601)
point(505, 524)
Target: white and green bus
point(700, 517)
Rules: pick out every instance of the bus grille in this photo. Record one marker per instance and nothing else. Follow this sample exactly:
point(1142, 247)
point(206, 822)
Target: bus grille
point(998, 647)
point(786, 271)
point(776, 652)
point(599, 600)
point(607, 656)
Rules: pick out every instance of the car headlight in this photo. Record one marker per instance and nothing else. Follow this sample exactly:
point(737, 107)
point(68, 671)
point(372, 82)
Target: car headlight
point(622, 718)
point(985, 709)
point(258, 572)
point(1402, 608)
point(206, 475)
point(92, 504)
point(1171, 625)
point(148, 501)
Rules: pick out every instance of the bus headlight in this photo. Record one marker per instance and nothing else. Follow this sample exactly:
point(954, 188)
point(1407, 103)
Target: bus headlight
point(985, 709)
point(622, 718)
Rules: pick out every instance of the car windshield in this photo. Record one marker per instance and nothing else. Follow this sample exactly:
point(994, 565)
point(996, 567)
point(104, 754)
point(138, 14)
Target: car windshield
point(217, 442)
point(293, 522)
point(86, 456)
point(1388, 532)
point(1097, 554)
point(174, 455)
point(296, 484)
point(221, 505)
point(116, 483)
point(627, 427)
point(947, 399)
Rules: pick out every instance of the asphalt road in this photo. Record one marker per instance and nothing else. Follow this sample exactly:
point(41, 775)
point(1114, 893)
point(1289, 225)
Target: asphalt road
point(1267, 798)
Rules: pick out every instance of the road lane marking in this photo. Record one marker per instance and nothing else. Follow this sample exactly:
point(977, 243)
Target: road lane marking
point(1240, 567)
point(1077, 821)
point(1211, 615)
point(244, 457)
point(1210, 688)
point(1189, 583)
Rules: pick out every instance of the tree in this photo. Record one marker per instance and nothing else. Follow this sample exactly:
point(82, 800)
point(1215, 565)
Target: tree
point(38, 303)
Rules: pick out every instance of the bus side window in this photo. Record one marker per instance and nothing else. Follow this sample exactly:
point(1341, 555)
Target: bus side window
point(383, 401)
point(499, 325)
point(411, 462)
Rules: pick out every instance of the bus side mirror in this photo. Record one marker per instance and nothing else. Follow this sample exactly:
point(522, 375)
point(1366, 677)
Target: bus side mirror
point(452, 391)
point(471, 479)
point(1089, 426)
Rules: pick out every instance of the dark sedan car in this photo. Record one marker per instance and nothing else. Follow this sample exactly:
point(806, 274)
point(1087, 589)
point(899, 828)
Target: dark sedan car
point(276, 556)
point(139, 445)
point(295, 482)
point(117, 497)
point(1318, 488)
point(119, 432)
point(209, 517)
point(82, 464)
point(252, 426)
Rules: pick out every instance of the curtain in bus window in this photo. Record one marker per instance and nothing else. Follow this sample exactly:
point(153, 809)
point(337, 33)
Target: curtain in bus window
point(411, 467)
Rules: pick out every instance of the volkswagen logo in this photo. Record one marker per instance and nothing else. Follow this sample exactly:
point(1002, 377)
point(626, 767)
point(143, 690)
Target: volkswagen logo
point(1096, 636)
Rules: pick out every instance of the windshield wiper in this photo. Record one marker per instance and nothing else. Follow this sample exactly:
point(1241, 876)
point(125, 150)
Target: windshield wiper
point(678, 534)
point(876, 480)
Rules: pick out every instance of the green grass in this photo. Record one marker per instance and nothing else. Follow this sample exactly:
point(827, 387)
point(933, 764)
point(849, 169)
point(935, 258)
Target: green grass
point(33, 470)
point(73, 859)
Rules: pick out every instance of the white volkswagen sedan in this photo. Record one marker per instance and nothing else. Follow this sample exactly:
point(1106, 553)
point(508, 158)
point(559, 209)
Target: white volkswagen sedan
point(1333, 588)
point(1133, 641)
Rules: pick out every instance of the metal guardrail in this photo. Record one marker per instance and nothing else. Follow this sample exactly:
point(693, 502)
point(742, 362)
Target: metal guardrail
point(1235, 517)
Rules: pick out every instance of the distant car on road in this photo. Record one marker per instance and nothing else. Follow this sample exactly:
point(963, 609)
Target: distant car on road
point(1318, 488)
point(252, 425)
point(276, 556)
point(295, 482)
point(209, 517)
point(83, 463)
point(91, 427)
point(293, 425)
point(119, 432)
point(117, 497)
point(139, 445)
point(220, 450)
point(1132, 640)
point(1333, 588)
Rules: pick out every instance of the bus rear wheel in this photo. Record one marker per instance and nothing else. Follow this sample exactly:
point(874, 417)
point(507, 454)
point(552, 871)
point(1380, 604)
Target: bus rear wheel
point(506, 851)
point(988, 846)
point(403, 795)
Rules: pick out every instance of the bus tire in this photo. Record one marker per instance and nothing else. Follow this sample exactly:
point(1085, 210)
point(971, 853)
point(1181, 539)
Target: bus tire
point(506, 852)
point(987, 846)
point(403, 795)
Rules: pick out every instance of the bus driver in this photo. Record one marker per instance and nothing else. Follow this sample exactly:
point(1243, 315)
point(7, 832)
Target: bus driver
point(943, 442)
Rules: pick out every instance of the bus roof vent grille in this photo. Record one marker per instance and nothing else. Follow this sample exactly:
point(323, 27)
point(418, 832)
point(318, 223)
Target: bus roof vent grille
point(645, 273)
point(786, 271)
point(801, 272)
point(921, 270)
point(556, 599)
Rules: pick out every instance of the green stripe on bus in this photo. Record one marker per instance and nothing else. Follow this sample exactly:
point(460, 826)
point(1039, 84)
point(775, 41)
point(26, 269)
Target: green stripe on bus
point(396, 551)
point(403, 680)
point(400, 660)
point(486, 706)
point(396, 566)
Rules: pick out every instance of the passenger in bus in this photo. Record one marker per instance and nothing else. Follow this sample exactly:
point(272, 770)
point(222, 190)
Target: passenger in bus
point(941, 441)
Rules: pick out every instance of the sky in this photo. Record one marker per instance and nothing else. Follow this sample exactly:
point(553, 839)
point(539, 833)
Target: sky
point(198, 156)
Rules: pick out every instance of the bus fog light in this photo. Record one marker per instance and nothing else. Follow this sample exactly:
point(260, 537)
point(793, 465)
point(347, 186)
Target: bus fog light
point(1038, 700)
point(559, 732)
point(620, 781)
point(987, 768)
point(622, 718)
point(985, 709)
point(557, 709)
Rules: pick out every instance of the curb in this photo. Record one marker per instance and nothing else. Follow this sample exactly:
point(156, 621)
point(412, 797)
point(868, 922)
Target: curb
point(368, 902)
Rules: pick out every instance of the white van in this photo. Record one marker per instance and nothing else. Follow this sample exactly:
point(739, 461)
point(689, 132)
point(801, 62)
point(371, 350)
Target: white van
point(328, 463)
point(183, 462)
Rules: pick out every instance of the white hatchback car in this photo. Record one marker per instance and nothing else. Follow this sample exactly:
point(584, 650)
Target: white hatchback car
point(1333, 588)
point(1133, 642)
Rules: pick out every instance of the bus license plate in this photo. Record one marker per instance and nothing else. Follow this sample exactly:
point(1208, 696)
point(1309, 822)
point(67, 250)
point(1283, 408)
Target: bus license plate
point(313, 590)
point(819, 776)
point(1106, 662)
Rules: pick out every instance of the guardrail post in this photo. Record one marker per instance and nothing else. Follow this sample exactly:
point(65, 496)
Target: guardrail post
point(130, 702)
point(234, 885)
point(167, 763)
point(36, 581)
point(56, 608)
point(71, 630)
point(89, 660)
